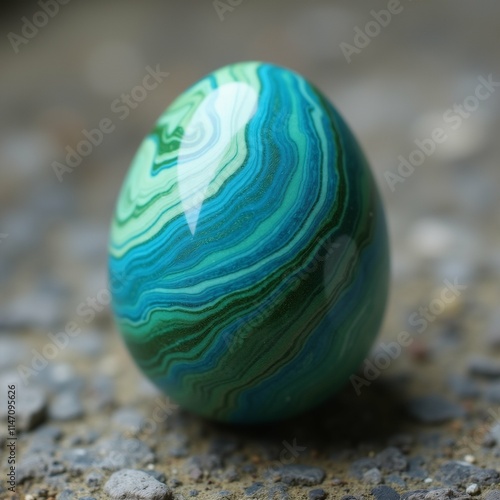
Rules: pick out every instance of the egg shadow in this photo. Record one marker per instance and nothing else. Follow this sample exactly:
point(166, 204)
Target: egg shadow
point(339, 426)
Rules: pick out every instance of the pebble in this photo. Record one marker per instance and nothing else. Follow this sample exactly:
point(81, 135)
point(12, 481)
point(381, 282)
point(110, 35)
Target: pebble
point(414, 495)
point(464, 387)
point(159, 476)
point(473, 489)
point(66, 495)
point(65, 406)
point(416, 469)
point(119, 453)
point(484, 367)
point(492, 393)
point(385, 493)
point(31, 403)
point(493, 331)
point(178, 445)
point(253, 488)
point(89, 343)
point(11, 353)
point(317, 494)
point(102, 393)
point(278, 491)
point(433, 409)
point(396, 480)
point(391, 460)
point(360, 466)
point(79, 460)
point(445, 494)
point(373, 476)
point(94, 479)
point(225, 494)
point(231, 474)
point(298, 475)
point(456, 473)
point(128, 419)
point(199, 465)
point(62, 376)
point(135, 485)
point(33, 466)
point(44, 439)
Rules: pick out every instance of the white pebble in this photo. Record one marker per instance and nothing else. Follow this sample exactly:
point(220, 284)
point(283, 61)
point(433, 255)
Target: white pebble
point(471, 459)
point(428, 480)
point(473, 489)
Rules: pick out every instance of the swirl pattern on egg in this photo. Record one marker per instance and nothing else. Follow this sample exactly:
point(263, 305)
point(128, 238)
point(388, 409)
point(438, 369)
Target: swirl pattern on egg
point(248, 252)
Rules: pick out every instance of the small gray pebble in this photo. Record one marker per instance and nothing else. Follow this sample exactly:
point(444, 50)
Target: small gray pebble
point(135, 485)
point(484, 367)
point(102, 393)
point(12, 351)
point(492, 495)
point(414, 495)
point(373, 476)
point(231, 474)
point(385, 493)
point(226, 494)
point(128, 419)
point(78, 460)
point(193, 493)
point(301, 475)
point(249, 469)
point(318, 494)
point(391, 460)
point(395, 479)
point(31, 403)
point(433, 409)
point(360, 466)
point(253, 488)
point(278, 492)
point(66, 405)
point(464, 387)
point(33, 466)
point(119, 453)
point(66, 495)
point(159, 476)
point(94, 479)
point(492, 393)
point(455, 473)
point(446, 494)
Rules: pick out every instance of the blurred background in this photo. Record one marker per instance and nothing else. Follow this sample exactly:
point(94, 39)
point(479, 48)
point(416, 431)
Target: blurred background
point(399, 72)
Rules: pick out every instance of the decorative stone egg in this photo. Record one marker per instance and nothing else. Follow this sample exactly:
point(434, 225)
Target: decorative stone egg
point(248, 252)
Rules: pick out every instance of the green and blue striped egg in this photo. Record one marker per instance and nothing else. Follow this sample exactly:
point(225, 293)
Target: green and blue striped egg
point(248, 252)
